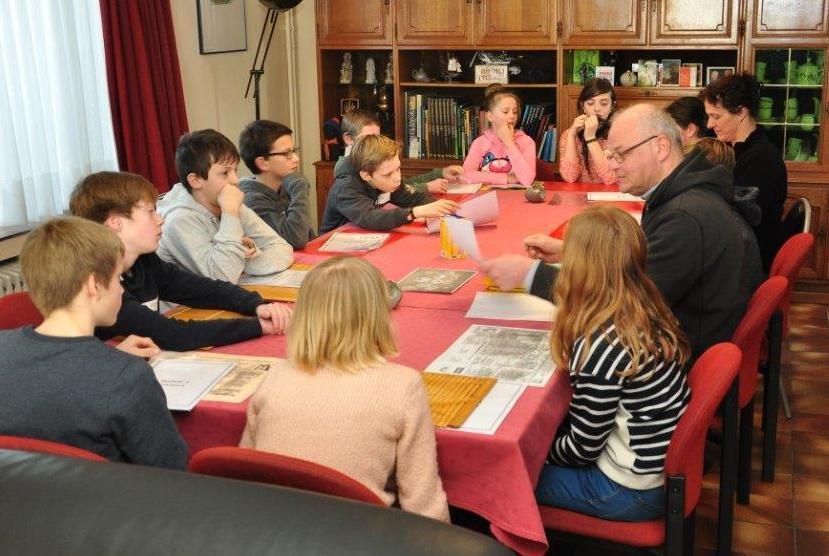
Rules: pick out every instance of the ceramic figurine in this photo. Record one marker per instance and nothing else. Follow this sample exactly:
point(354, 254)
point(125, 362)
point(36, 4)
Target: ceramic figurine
point(371, 77)
point(389, 77)
point(346, 69)
point(628, 79)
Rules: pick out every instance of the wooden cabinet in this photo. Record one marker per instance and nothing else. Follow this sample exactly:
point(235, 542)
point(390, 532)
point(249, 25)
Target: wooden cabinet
point(702, 21)
point(603, 22)
point(805, 20)
point(655, 22)
point(354, 22)
point(515, 23)
point(428, 22)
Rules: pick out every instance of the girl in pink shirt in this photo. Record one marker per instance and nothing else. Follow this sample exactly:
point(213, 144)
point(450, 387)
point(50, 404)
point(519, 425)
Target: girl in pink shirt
point(582, 157)
point(502, 155)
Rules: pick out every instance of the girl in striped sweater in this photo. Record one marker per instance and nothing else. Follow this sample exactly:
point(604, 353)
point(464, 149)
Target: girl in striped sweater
point(625, 354)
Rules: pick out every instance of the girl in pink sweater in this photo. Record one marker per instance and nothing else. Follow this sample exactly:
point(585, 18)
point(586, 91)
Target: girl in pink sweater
point(582, 158)
point(502, 155)
point(338, 402)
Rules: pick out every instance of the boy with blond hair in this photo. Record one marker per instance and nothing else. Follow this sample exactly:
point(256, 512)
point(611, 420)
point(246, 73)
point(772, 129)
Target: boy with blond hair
point(62, 384)
point(277, 192)
point(359, 123)
point(207, 229)
point(125, 203)
point(367, 180)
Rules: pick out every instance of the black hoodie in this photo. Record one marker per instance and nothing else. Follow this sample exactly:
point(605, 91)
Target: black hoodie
point(351, 199)
point(695, 252)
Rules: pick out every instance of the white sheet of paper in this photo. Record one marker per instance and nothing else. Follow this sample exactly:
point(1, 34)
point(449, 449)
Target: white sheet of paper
point(611, 196)
point(463, 235)
point(352, 243)
point(287, 278)
point(463, 188)
point(480, 210)
point(510, 306)
point(493, 409)
point(186, 381)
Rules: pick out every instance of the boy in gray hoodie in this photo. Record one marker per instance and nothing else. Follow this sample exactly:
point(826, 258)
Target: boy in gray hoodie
point(207, 229)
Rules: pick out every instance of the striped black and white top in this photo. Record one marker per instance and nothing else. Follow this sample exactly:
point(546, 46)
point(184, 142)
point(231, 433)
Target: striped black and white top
point(623, 424)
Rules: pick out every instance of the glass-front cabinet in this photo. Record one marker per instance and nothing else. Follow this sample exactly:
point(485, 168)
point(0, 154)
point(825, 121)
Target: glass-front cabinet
point(792, 103)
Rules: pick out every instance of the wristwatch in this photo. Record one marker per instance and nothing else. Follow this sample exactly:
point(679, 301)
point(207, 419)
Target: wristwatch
point(588, 141)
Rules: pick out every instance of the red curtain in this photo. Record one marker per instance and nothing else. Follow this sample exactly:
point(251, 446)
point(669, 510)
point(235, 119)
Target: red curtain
point(146, 96)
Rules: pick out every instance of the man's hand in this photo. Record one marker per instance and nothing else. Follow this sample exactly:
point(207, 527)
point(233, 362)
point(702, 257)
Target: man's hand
point(438, 186)
point(453, 173)
point(544, 247)
point(250, 247)
point(274, 317)
point(138, 345)
point(230, 200)
point(507, 271)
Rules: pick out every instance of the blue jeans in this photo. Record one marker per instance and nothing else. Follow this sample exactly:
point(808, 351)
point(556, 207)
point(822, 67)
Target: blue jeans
point(587, 490)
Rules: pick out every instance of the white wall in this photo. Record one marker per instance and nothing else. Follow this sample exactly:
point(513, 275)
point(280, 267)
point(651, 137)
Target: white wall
point(214, 84)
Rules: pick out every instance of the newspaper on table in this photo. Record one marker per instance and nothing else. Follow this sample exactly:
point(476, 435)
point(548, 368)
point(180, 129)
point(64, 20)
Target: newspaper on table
point(186, 381)
point(238, 384)
point(517, 355)
point(288, 278)
point(341, 242)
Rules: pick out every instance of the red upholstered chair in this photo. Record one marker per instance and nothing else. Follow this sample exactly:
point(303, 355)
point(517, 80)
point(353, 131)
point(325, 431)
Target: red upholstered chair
point(787, 263)
point(749, 337)
point(16, 310)
point(265, 467)
point(24, 444)
point(709, 379)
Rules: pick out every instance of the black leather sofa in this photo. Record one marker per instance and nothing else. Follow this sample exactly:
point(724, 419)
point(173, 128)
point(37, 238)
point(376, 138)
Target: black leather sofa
point(56, 505)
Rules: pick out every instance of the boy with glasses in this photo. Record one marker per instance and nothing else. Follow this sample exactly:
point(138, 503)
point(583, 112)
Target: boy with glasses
point(276, 192)
point(207, 229)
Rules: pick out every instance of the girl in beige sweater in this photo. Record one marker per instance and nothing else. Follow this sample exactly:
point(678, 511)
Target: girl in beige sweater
point(339, 403)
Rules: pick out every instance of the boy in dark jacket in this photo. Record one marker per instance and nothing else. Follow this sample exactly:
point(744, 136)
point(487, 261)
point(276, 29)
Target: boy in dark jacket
point(370, 178)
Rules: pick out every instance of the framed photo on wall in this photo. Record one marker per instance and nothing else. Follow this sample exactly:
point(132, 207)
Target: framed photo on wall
point(348, 104)
point(712, 73)
point(221, 26)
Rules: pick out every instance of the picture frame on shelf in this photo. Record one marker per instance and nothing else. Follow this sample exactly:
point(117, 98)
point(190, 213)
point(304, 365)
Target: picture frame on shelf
point(348, 104)
point(607, 72)
point(670, 72)
point(221, 26)
point(712, 73)
point(700, 75)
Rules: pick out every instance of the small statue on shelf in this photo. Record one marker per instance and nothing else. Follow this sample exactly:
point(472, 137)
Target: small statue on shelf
point(452, 67)
point(346, 69)
point(371, 73)
point(389, 77)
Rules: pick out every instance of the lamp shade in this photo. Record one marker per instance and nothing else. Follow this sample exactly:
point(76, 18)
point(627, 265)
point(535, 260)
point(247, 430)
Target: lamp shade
point(280, 5)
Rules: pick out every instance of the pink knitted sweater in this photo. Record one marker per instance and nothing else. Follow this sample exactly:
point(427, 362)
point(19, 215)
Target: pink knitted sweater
point(373, 425)
point(575, 171)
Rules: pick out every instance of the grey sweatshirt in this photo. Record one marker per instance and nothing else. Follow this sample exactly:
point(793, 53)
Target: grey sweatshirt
point(210, 246)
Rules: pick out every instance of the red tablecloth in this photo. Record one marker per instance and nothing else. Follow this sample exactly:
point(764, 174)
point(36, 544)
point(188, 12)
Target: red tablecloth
point(491, 475)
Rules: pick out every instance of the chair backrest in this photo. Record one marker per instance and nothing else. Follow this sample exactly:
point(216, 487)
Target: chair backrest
point(798, 219)
point(264, 467)
point(25, 444)
point(751, 332)
point(709, 380)
point(16, 310)
point(787, 262)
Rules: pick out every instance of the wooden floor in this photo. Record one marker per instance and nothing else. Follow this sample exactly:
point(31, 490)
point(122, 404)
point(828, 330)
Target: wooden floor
point(791, 515)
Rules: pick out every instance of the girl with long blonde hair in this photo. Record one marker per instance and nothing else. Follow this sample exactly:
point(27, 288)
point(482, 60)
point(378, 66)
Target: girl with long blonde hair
point(338, 402)
point(625, 354)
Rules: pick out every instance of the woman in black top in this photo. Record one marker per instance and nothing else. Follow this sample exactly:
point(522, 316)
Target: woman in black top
point(731, 105)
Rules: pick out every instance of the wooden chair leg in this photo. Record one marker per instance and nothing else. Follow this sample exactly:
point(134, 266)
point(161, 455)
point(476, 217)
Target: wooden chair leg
point(744, 453)
point(728, 471)
point(771, 397)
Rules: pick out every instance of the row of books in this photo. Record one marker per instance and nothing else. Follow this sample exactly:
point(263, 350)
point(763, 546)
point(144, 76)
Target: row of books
point(444, 127)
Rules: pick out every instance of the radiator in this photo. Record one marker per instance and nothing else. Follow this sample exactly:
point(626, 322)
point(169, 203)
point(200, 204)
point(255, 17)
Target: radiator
point(11, 280)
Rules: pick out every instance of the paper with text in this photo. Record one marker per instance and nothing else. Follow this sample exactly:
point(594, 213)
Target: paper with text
point(341, 242)
point(611, 196)
point(186, 381)
point(510, 306)
point(462, 188)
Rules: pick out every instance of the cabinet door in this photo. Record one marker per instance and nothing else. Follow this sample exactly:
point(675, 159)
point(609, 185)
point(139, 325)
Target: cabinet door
point(694, 21)
point(803, 19)
point(815, 266)
point(353, 22)
point(516, 23)
point(432, 23)
point(604, 22)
